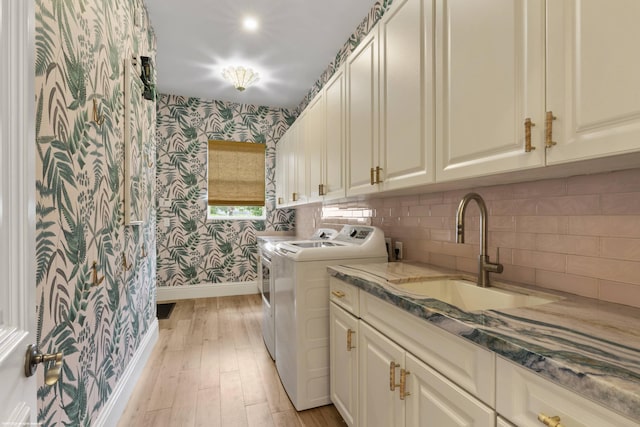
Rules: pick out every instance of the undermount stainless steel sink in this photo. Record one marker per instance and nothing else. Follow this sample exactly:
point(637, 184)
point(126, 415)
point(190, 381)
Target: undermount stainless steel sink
point(468, 296)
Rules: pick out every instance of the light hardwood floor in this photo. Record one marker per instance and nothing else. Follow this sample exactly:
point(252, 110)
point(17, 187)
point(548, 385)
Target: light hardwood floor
point(210, 368)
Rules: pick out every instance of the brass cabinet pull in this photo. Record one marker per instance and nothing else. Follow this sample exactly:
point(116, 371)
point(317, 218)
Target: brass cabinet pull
point(549, 421)
point(548, 130)
point(403, 384)
point(321, 190)
point(35, 357)
point(339, 294)
point(294, 197)
point(350, 333)
point(392, 376)
point(280, 200)
point(527, 135)
point(373, 181)
point(378, 169)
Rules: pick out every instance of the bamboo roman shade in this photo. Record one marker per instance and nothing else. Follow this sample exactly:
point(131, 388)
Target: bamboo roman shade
point(236, 173)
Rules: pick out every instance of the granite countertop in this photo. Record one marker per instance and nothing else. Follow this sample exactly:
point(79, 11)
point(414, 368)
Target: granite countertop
point(589, 346)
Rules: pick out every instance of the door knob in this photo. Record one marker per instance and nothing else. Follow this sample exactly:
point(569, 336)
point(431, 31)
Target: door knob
point(34, 357)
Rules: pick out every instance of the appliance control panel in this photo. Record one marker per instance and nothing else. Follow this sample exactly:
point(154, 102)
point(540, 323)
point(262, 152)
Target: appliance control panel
point(354, 233)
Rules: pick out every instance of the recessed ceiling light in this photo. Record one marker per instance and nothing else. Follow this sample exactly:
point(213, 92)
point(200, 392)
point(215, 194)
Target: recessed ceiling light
point(250, 23)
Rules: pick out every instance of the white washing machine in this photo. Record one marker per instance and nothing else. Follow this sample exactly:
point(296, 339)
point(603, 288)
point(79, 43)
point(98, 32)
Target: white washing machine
point(266, 248)
point(302, 307)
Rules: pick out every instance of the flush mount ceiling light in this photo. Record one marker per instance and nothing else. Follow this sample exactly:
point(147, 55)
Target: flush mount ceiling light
point(240, 77)
point(250, 23)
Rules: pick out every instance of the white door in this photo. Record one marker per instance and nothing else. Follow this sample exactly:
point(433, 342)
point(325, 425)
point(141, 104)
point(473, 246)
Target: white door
point(17, 211)
point(489, 80)
point(593, 80)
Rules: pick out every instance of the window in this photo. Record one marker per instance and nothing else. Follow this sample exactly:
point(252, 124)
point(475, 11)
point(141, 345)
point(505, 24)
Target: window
point(236, 179)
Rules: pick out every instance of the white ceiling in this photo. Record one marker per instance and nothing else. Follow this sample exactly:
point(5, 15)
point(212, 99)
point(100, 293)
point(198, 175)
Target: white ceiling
point(296, 41)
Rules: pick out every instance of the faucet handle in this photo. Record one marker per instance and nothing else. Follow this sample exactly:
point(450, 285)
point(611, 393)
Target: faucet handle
point(498, 267)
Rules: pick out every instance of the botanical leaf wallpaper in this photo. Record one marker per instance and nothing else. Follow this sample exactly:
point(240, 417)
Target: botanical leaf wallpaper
point(192, 249)
point(80, 50)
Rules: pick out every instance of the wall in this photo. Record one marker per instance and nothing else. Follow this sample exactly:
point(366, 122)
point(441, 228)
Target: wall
point(80, 49)
point(192, 249)
point(579, 235)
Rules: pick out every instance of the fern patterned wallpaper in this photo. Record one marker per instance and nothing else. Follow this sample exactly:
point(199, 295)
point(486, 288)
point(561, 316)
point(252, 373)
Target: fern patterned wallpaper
point(192, 249)
point(80, 49)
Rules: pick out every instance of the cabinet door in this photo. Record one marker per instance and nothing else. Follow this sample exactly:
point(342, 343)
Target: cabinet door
point(362, 115)
point(282, 166)
point(335, 136)
point(344, 363)
point(489, 78)
point(378, 405)
point(296, 163)
point(406, 94)
point(436, 401)
point(593, 85)
point(314, 148)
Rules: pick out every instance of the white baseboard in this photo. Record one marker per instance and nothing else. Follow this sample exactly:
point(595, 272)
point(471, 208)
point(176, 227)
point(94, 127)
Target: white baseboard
point(115, 406)
point(205, 290)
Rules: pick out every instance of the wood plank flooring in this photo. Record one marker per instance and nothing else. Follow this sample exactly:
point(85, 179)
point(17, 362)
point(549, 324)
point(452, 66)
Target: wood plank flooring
point(210, 368)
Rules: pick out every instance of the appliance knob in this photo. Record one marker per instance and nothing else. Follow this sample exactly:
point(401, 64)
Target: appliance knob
point(353, 233)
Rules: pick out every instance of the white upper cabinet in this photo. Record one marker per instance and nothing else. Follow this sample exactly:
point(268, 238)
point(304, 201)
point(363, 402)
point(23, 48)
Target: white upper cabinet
point(282, 170)
point(298, 184)
point(489, 80)
point(406, 95)
point(593, 78)
point(315, 145)
point(362, 116)
point(290, 166)
point(335, 136)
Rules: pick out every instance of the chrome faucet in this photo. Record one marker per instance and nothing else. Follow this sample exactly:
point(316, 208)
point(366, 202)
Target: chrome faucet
point(484, 265)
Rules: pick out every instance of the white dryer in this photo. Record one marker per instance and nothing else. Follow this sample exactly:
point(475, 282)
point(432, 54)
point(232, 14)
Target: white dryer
point(302, 307)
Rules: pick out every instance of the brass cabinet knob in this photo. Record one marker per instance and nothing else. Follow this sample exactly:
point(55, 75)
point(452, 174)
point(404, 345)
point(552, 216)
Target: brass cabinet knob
point(549, 421)
point(338, 294)
point(35, 357)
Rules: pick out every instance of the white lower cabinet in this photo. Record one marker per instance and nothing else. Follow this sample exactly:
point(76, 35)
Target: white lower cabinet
point(343, 365)
point(375, 381)
point(523, 397)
